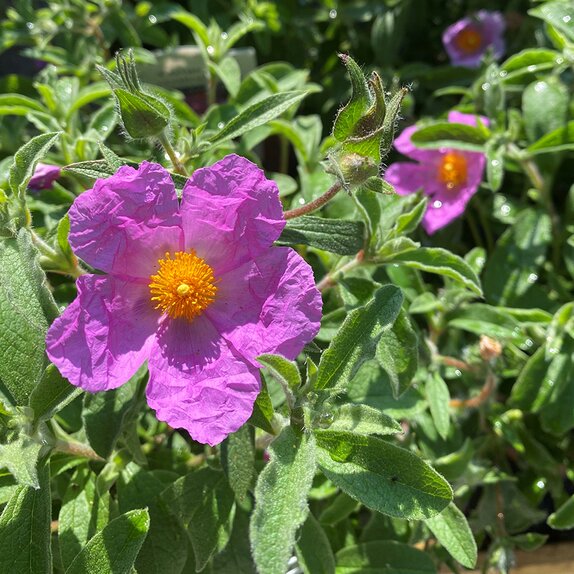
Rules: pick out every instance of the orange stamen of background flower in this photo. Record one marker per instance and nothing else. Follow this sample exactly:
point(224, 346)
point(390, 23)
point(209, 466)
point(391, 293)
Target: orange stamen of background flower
point(452, 169)
point(468, 40)
point(184, 286)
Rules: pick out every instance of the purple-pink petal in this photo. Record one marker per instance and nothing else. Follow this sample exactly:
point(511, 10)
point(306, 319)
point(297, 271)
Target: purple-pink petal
point(199, 382)
point(104, 335)
point(269, 305)
point(467, 119)
point(128, 221)
point(231, 213)
point(44, 176)
point(409, 177)
point(404, 145)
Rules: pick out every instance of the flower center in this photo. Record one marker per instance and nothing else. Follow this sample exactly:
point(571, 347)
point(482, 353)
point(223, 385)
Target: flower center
point(468, 40)
point(184, 286)
point(452, 169)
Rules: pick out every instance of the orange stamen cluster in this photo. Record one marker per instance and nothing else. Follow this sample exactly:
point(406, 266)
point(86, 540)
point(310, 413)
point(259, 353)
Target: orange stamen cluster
point(468, 40)
point(183, 286)
point(452, 169)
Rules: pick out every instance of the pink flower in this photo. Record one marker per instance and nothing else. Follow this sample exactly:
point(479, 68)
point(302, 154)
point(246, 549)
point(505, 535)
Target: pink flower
point(449, 177)
point(196, 289)
point(467, 40)
point(44, 176)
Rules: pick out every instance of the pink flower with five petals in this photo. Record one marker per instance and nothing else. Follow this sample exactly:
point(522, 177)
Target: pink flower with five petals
point(449, 177)
point(195, 288)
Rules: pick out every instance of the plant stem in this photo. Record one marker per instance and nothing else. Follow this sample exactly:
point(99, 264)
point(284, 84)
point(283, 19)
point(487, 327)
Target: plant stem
point(177, 165)
point(330, 280)
point(315, 204)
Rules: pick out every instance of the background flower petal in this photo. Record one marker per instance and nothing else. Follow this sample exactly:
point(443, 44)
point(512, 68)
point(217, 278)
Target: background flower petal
point(104, 335)
point(199, 382)
point(269, 305)
point(468, 119)
point(126, 222)
point(231, 213)
point(404, 145)
point(408, 177)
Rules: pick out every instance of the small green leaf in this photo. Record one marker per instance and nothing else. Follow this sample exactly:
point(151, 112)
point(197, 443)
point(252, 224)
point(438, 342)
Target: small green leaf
point(544, 107)
point(561, 139)
point(452, 530)
point(93, 169)
point(439, 261)
point(25, 529)
point(26, 309)
point(26, 159)
point(387, 557)
point(263, 411)
point(281, 500)
point(382, 476)
point(438, 398)
point(451, 135)
point(340, 509)
point(204, 503)
point(336, 236)
point(529, 57)
point(229, 73)
point(362, 419)
point(258, 114)
point(194, 24)
point(357, 340)
point(286, 372)
point(563, 518)
point(115, 548)
point(52, 394)
point(314, 550)
point(238, 462)
point(20, 457)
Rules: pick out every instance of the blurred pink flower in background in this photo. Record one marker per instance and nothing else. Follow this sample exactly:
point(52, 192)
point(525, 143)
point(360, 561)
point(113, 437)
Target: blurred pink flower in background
point(197, 289)
point(467, 40)
point(44, 176)
point(449, 177)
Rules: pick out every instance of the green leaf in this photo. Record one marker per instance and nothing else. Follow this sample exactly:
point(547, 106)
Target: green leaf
point(357, 339)
point(26, 309)
point(281, 500)
point(382, 476)
point(104, 413)
point(387, 557)
point(454, 464)
point(314, 550)
point(529, 57)
point(438, 398)
point(544, 107)
point(52, 394)
point(142, 115)
point(494, 164)
point(512, 268)
point(25, 529)
point(238, 460)
point(563, 518)
point(452, 530)
point(351, 113)
point(26, 159)
point(558, 14)
point(203, 501)
point(229, 73)
point(362, 419)
point(263, 411)
point(20, 457)
point(93, 169)
point(397, 353)
point(451, 135)
point(19, 101)
point(95, 91)
point(529, 541)
point(257, 114)
point(115, 548)
point(236, 557)
point(165, 548)
point(194, 24)
point(439, 261)
point(336, 236)
point(286, 372)
point(84, 512)
point(487, 320)
point(561, 139)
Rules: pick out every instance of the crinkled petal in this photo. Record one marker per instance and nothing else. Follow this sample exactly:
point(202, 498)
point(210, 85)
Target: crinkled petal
point(231, 213)
point(104, 335)
point(404, 145)
point(128, 221)
point(269, 305)
point(446, 205)
point(408, 177)
point(199, 382)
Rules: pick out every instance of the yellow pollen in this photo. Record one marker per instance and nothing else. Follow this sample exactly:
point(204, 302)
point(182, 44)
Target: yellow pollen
point(469, 40)
point(452, 169)
point(184, 285)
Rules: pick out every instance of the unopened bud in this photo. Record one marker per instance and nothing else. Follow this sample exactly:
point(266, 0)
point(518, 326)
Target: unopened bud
point(489, 349)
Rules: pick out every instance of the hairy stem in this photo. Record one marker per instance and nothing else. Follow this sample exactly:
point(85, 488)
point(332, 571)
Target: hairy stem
point(315, 204)
point(177, 165)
